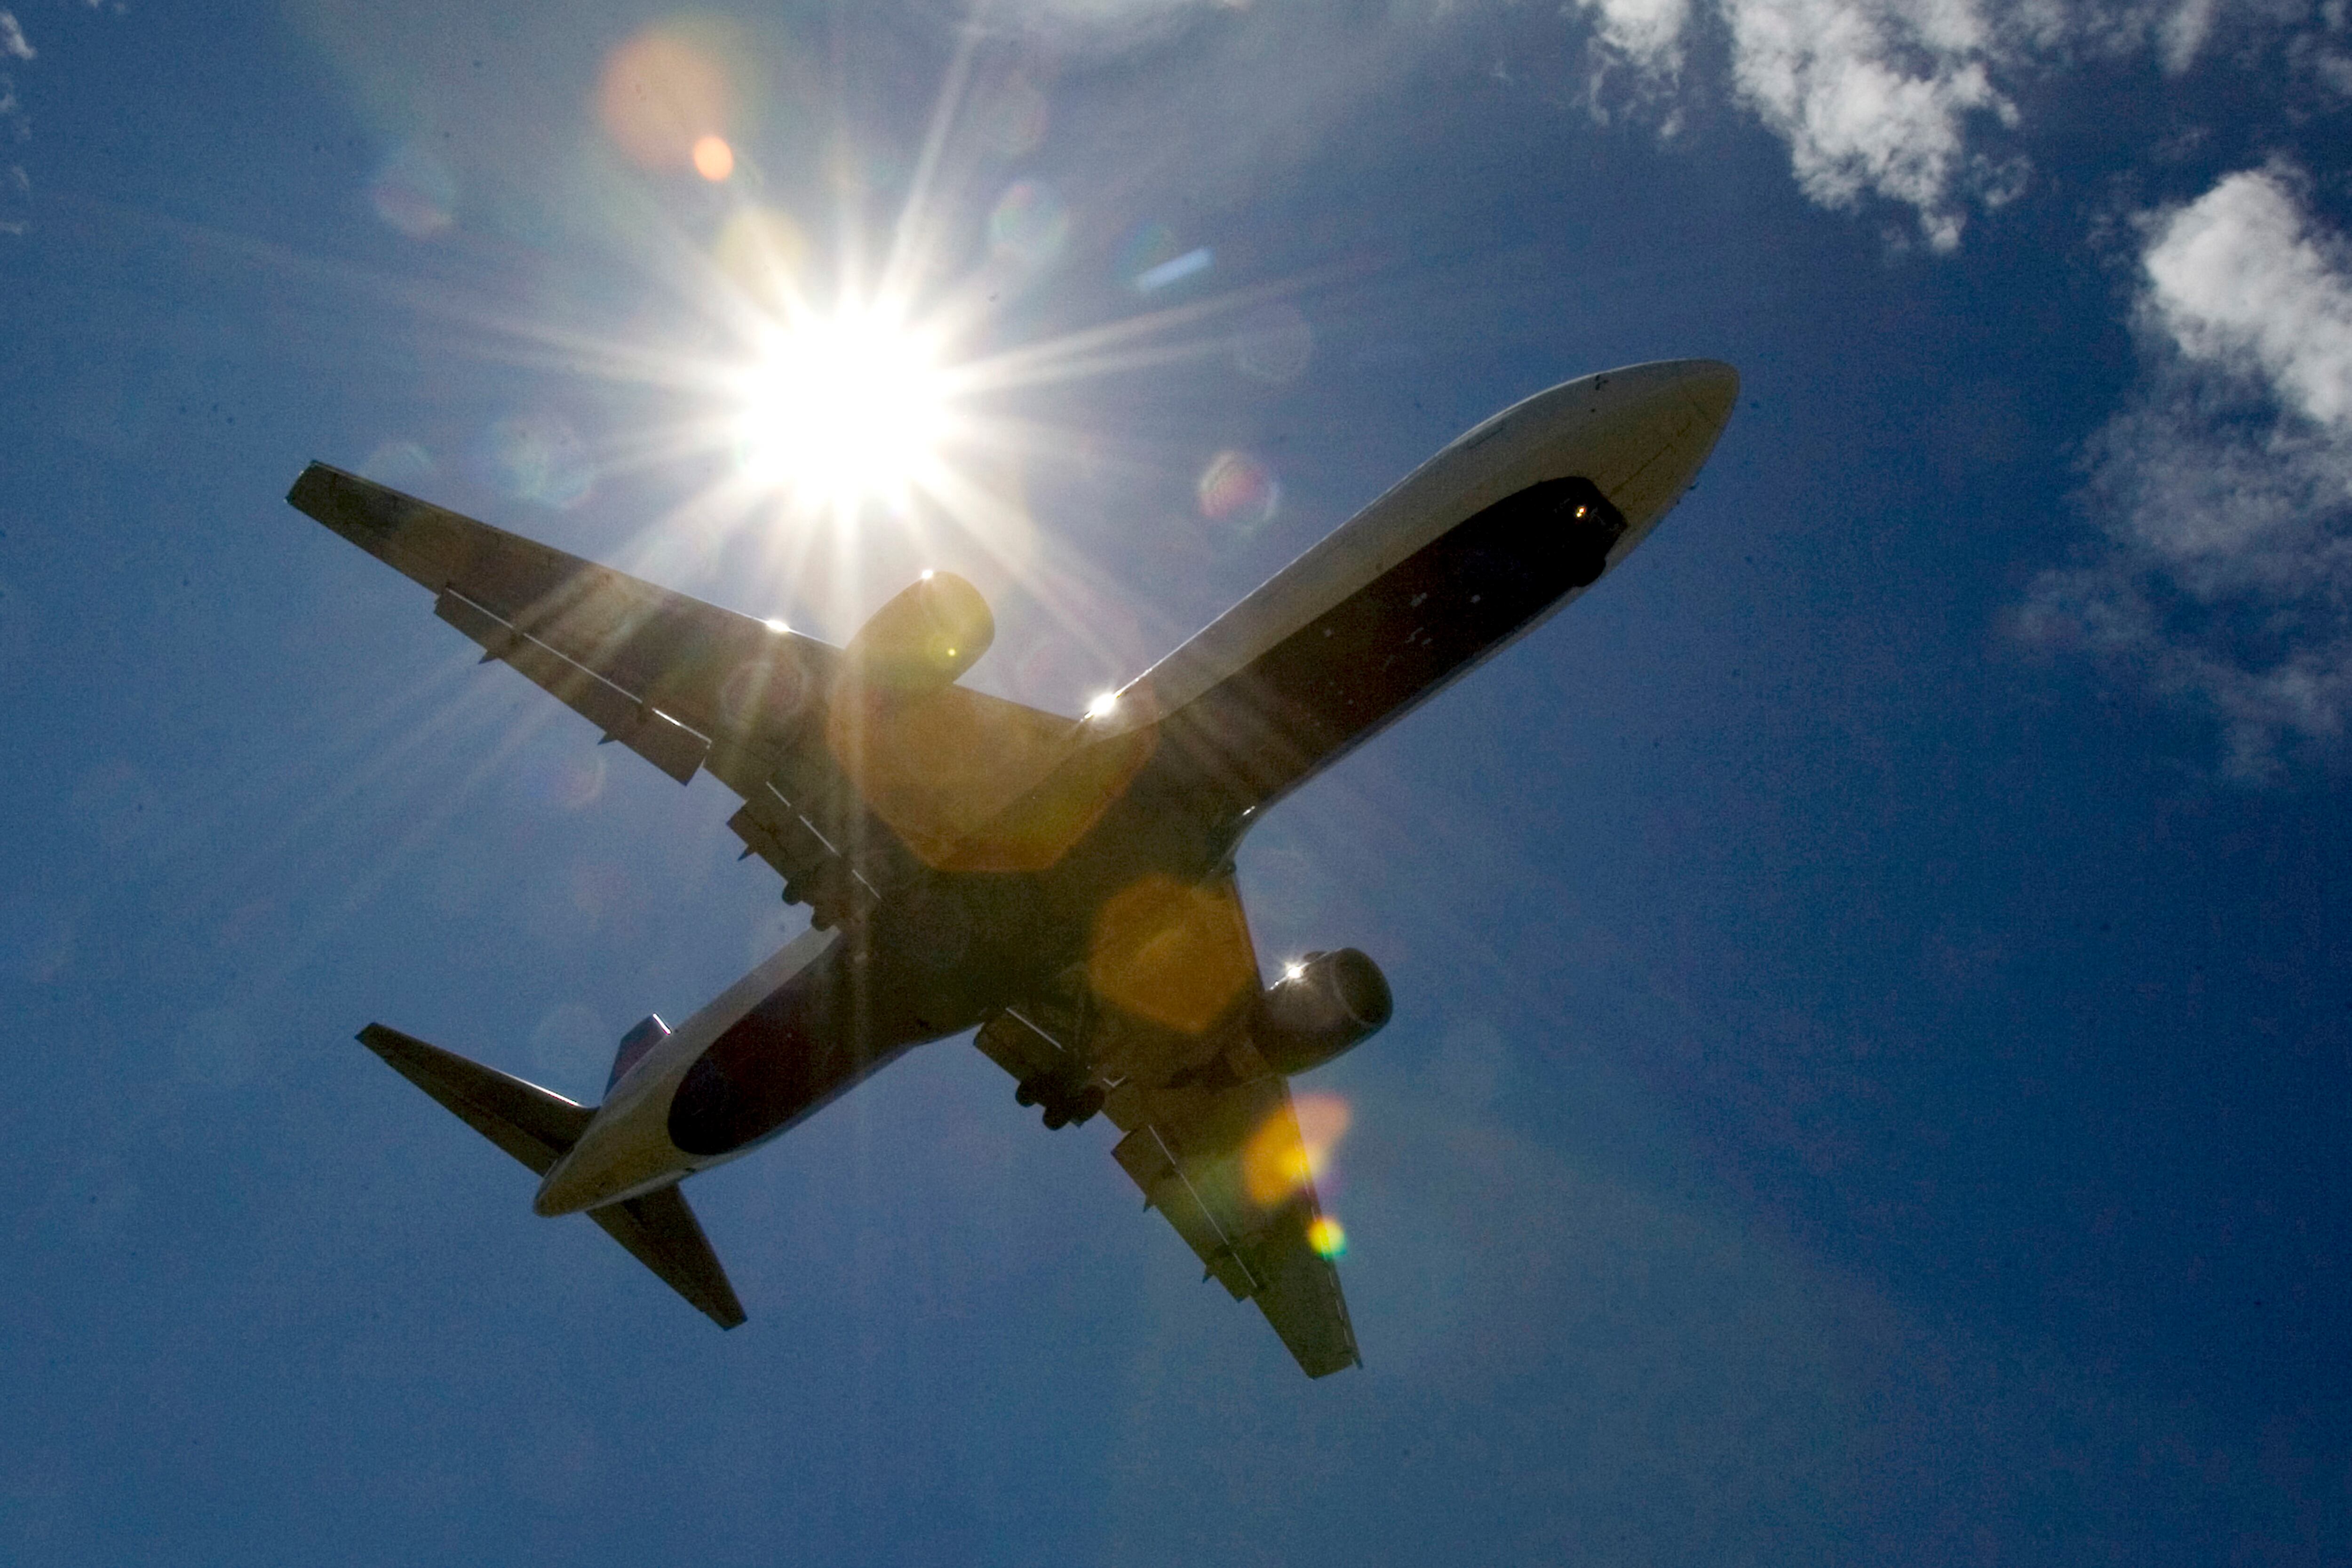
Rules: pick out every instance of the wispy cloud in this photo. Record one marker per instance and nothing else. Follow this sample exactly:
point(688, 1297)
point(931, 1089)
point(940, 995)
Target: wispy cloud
point(2225, 492)
point(1875, 98)
point(1647, 32)
point(1908, 102)
point(15, 185)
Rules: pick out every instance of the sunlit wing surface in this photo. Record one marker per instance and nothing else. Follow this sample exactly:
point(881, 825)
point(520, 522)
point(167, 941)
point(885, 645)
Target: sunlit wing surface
point(1156, 1034)
point(1225, 1162)
point(1228, 1168)
point(668, 676)
point(843, 802)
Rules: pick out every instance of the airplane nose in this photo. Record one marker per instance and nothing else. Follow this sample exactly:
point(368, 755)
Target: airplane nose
point(1713, 389)
point(1653, 428)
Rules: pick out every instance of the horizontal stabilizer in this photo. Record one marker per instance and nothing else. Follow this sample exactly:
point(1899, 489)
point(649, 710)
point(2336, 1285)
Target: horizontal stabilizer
point(662, 1232)
point(536, 1126)
point(533, 1124)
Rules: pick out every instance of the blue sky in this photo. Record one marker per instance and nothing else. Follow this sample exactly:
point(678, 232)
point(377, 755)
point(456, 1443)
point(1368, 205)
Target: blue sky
point(1869, 1081)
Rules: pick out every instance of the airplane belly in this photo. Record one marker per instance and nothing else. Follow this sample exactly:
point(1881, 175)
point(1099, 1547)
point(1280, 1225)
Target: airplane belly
point(1401, 638)
point(626, 1149)
point(833, 1025)
point(1484, 543)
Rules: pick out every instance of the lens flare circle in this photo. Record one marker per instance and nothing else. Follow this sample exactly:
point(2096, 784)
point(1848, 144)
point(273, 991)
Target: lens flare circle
point(415, 194)
point(1029, 227)
point(1291, 1149)
point(845, 409)
point(661, 95)
point(714, 160)
point(1238, 491)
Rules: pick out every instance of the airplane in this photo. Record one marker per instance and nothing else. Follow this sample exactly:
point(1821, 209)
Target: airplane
point(1062, 888)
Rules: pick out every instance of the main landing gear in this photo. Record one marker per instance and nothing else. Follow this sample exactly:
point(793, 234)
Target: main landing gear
point(1067, 1104)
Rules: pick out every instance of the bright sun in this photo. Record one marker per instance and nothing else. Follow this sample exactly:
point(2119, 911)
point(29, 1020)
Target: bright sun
point(843, 409)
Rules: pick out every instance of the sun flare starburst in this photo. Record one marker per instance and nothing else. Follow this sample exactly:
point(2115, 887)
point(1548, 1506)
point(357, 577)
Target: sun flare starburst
point(843, 409)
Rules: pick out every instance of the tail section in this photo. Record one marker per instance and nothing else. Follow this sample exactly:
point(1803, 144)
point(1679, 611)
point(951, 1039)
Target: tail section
point(650, 1031)
point(536, 1126)
point(533, 1124)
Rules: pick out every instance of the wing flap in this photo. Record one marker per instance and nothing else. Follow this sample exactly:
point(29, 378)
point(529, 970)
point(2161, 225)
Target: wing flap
point(815, 871)
point(636, 724)
point(1299, 1293)
point(1227, 1169)
point(1145, 1156)
point(713, 671)
point(1017, 1045)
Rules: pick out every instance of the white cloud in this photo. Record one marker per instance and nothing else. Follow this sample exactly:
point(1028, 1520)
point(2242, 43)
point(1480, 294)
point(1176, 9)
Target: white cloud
point(2183, 33)
point(2226, 492)
point(11, 37)
point(1905, 101)
point(1874, 97)
point(2240, 280)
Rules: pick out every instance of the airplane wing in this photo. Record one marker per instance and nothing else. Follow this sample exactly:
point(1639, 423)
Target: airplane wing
point(650, 667)
point(686, 685)
point(1155, 1032)
point(1228, 1168)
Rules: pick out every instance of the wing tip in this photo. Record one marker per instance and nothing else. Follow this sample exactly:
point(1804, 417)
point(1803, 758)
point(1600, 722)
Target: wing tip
point(660, 1231)
point(314, 486)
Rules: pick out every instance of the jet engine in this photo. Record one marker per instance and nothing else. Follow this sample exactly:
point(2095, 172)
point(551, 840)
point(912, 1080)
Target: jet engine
point(934, 630)
point(1324, 1004)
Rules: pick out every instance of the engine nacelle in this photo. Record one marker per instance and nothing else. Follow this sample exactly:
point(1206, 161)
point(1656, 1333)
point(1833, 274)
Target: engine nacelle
point(1334, 1001)
point(933, 631)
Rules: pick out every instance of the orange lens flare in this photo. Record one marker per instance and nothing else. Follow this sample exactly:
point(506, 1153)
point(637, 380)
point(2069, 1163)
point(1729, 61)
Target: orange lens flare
point(662, 99)
point(713, 159)
point(1292, 1148)
point(1171, 953)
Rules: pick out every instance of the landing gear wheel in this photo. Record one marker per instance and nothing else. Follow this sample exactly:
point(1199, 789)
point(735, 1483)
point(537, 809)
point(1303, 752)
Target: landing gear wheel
point(1088, 1106)
point(1024, 1093)
point(1058, 1116)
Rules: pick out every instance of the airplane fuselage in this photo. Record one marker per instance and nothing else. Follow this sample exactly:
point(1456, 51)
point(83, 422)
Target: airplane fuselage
point(1473, 551)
